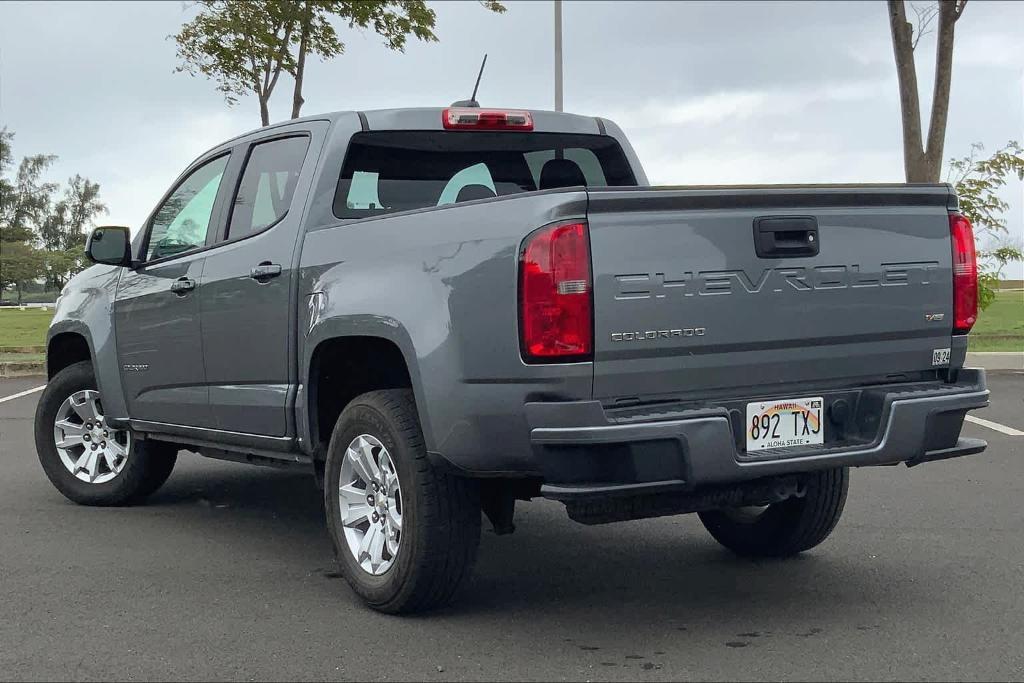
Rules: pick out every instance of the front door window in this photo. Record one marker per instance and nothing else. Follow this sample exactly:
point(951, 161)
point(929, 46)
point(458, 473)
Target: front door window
point(183, 220)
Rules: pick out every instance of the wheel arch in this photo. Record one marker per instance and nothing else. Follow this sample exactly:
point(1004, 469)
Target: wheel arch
point(66, 348)
point(71, 341)
point(340, 367)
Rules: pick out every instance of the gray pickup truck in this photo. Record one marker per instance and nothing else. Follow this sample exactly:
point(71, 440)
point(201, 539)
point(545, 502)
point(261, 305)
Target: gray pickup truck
point(440, 312)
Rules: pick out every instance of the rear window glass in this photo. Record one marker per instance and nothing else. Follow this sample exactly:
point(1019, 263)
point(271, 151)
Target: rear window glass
point(390, 171)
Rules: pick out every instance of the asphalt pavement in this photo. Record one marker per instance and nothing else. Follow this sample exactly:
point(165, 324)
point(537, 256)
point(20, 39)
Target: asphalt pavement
point(227, 573)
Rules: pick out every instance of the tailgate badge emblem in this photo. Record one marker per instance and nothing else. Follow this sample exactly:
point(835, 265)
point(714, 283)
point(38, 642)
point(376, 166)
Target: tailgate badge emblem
point(934, 317)
point(645, 335)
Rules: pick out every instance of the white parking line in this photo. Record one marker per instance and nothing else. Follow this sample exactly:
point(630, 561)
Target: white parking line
point(1009, 431)
point(22, 393)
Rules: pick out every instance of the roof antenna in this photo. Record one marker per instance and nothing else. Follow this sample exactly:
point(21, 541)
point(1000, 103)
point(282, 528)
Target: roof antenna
point(471, 102)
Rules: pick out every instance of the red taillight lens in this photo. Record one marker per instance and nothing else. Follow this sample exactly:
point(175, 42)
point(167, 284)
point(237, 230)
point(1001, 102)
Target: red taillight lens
point(486, 119)
point(965, 274)
point(555, 294)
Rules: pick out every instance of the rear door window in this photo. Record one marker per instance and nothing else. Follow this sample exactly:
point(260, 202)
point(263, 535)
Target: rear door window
point(268, 185)
point(387, 171)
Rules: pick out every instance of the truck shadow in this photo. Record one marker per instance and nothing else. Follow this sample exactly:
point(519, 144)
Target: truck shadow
point(667, 572)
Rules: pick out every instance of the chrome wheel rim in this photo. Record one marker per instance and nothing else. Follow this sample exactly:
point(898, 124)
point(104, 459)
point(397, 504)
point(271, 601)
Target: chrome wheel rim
point(370, 504)
point(89, 449)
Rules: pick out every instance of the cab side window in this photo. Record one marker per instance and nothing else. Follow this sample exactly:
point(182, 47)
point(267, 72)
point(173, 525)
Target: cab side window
point(181, 223)
point(268, 184)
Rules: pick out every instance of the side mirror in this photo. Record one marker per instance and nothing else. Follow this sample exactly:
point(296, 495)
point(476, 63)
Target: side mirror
point(109, 244)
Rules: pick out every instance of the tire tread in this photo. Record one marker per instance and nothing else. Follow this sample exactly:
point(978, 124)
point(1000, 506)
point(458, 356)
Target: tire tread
point(786, 528)
point(149, 464)
point(449, 513)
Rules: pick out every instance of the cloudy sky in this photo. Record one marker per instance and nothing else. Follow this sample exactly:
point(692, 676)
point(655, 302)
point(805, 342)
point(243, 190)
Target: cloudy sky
point(709, 92)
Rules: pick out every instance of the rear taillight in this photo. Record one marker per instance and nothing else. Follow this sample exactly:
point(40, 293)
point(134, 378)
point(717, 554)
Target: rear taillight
point(555, 294)
point(486, 119)
point(965, 274)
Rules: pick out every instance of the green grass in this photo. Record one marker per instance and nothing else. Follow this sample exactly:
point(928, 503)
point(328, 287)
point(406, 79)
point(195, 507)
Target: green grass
point(24, 328)
point(1001, 326)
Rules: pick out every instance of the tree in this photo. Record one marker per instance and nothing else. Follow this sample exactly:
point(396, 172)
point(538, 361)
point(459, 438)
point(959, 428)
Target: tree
point(29, 216)
point(6, 159)
point(27, 200)
point(977, 182)
point(59, 266)
point(63, 230)
point(923, 161)
point(20, 263)
point(64, 227)
point(244, 45)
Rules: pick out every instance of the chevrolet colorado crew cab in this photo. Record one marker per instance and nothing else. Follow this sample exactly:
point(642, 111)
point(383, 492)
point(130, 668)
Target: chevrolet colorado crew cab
point(440, 312)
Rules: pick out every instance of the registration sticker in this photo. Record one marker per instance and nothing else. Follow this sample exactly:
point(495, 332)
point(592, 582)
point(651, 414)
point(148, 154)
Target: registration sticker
point(784, 424)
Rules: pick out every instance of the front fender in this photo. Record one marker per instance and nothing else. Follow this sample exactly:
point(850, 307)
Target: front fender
point(86, 308)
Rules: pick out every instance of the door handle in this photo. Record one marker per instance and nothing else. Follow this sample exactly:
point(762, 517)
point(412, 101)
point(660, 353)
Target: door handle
point(265, 271)
point(786, 236)
point(183, 285)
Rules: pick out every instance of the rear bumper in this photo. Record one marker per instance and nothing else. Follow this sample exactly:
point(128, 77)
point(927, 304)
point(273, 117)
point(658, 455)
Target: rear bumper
point(585, 451)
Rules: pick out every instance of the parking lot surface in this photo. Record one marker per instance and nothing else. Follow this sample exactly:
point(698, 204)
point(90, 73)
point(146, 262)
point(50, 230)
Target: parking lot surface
point(227, 572)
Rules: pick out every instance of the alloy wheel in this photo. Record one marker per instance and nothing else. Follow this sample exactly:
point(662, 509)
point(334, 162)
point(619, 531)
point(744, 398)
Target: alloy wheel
point(91, 450)
point(370, 498)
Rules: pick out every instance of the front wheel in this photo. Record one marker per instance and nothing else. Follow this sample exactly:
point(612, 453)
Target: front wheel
point(786, 528)
point(405, 533)
point(88, 460)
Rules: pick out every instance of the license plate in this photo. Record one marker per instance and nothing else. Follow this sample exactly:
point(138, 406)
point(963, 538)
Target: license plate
point(784, 424)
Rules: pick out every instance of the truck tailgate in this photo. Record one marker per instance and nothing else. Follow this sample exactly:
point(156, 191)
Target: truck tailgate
point(846, 283)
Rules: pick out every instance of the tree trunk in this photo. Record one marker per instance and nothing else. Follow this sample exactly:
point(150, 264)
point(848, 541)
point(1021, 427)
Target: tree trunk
point(923, 164)
point(940, 99)
point(910, 105)
point(300, 66)
point(17, 285)
point(264, 110)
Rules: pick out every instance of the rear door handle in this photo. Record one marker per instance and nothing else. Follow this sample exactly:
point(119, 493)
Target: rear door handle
point(183, 285)
point(786, 236)
point(265, 271)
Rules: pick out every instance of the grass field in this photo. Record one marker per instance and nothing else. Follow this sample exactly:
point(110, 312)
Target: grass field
point(1000, 328)
point(23, 328)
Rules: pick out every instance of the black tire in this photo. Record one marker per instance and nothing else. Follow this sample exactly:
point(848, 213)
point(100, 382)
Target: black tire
point(441, 515)
point(147, 467)
point(787, 528)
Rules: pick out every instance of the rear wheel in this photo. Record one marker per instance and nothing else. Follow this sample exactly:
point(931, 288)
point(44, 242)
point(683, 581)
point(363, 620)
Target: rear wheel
point(405, 534)
point(88, 460)
point(786, 528)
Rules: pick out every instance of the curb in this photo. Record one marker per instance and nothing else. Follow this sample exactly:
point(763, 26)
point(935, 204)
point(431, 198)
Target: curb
point(27, 368)
point(996, 360)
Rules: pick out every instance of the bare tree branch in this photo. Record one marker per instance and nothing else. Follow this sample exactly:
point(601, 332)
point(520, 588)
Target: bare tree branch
point(925, 17)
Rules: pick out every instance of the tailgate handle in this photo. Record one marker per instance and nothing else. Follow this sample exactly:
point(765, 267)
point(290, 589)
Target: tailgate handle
point(786, 236)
